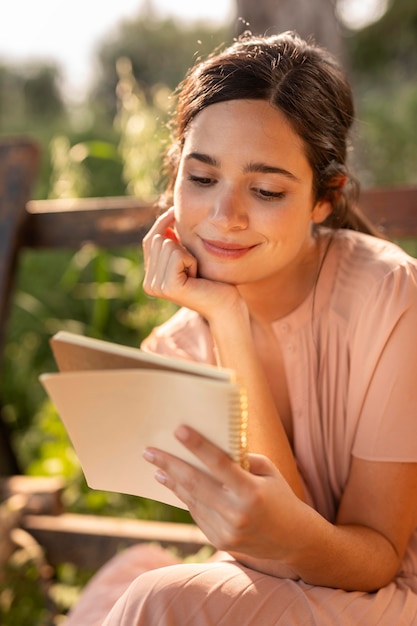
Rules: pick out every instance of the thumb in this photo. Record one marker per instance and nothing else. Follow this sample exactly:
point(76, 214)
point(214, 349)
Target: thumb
point(260, 465)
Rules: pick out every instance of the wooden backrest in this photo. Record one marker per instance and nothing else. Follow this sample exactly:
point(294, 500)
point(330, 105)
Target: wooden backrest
point(124, 221)
point(392, 209)
point(19, 161)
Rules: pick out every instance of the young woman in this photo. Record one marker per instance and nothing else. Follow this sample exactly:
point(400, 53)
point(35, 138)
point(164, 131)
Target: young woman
point(281, 279)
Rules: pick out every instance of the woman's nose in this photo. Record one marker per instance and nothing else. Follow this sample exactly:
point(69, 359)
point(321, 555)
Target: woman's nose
point(229, 210)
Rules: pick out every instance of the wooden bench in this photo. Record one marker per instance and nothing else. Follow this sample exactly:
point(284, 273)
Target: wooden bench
point(108, 222)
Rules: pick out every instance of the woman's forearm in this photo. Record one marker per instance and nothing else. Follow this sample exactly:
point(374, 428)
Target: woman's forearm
point(266, 434)
point(354, 558)
point(323, 554)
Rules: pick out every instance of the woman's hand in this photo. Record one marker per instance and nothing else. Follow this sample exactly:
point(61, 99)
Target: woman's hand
point(254, 515)
point(171, 273)
point(258, 519)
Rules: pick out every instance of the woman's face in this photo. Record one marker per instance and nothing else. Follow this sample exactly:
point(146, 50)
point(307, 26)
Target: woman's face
point(243, 196)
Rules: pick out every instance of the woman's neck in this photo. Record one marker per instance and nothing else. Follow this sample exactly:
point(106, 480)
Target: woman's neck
point(278, 295)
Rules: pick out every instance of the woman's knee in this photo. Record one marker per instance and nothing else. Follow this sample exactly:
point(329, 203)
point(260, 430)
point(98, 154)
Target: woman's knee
point(162, 597)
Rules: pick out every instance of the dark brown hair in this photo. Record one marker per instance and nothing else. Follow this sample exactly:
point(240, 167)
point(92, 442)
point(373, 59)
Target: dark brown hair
point(304, 82)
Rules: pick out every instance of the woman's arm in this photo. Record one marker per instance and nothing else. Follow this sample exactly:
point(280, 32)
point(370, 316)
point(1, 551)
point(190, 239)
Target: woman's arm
point(171, 273)
point(257, 518)
point(363, 550)
point(266, 433)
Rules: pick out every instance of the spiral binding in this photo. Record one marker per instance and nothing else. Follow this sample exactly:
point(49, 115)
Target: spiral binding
point(238, 440)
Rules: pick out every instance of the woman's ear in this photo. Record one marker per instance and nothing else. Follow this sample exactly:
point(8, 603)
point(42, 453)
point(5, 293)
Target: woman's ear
point(330, 194)
point(321, 211)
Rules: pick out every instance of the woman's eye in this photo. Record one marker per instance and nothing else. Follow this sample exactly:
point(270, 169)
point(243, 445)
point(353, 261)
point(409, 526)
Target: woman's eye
point(265, 194)
point(203, 181)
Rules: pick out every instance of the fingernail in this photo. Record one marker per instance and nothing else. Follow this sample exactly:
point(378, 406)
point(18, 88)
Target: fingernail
point(149, 455)
point(182, 433)
point(161, 477)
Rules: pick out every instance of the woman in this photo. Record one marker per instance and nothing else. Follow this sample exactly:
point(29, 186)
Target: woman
point(281, 279)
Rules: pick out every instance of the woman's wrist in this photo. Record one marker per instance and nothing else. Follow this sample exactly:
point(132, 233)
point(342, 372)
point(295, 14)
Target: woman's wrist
point(230, 326)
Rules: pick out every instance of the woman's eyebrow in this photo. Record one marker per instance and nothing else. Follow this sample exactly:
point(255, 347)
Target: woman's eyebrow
point(262, 168)
point(204, 158)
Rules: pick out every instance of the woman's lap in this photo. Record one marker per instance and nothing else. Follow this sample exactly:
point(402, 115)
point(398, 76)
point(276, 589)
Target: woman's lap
point(228, 594)
point(206, 594)
point(148, 585)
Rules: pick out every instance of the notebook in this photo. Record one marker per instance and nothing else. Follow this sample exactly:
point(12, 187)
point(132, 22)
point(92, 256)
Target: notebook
point(116, 400)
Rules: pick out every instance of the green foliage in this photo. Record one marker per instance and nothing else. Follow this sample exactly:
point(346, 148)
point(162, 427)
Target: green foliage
point(94, 292)
point(31, 93)
point(31, 104)
point(160, 52)
point(31, 593)
point(388, 45)
point(383, 61)
point(21, 599)
point(387, 129)
point(142, 128)
point(41, 93)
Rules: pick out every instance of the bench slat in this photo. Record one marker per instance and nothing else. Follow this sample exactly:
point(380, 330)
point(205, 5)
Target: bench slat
point(119, 221)
point(89, 541)
point(393, 210)
point(107, 222)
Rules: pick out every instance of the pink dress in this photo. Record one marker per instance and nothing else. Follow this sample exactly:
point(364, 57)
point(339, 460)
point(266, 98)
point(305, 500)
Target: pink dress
point(350, 353)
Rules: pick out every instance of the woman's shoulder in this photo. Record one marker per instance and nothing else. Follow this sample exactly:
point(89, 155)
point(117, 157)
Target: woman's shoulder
point(185, 335)
point(372, 255)
point(371, 270)
point(365, 260)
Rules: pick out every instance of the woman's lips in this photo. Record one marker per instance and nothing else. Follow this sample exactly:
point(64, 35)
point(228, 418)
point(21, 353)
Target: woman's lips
point(225, 250)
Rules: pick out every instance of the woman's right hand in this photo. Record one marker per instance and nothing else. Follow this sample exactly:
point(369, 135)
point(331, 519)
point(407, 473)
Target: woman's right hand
point(171, 273)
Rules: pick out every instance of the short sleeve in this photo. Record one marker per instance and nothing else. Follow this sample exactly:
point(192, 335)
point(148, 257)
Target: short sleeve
point(185, 335)
point(384, 370)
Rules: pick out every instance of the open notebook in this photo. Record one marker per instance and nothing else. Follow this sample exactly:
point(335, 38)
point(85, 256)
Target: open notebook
point(115, 400)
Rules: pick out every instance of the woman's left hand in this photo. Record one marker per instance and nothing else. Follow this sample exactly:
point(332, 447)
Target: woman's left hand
point(253, 513)
point(171, 273)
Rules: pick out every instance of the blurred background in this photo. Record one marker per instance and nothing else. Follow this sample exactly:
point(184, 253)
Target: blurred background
point(91, 81)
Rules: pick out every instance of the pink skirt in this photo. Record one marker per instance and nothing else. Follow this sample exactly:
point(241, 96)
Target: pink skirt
point(165, 592)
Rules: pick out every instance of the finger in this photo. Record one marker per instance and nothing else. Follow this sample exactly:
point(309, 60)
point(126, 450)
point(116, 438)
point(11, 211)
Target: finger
point(221, 466)
point(157, 260)
point(159, 227)
point(174, 265)
point(260, 465)
point(162, 222)
point(195, 487)
point(217, 509)
point(168, 268)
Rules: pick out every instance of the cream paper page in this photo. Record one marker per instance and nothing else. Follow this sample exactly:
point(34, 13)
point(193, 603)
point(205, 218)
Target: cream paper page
point(112, 415)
